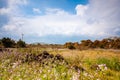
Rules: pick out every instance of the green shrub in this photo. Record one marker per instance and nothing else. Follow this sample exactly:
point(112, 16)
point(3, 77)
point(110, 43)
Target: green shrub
point(7, 42)
point(71, 47)
point(21, 44)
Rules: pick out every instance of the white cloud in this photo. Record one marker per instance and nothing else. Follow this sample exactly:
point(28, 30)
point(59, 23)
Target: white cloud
point(98, 19)
point(36, 10)
point(50, 11)
point(12, 8)
point(80, 9)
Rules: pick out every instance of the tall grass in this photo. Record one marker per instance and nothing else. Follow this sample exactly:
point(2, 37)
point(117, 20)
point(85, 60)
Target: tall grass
point(12, 67)
point(113, 63)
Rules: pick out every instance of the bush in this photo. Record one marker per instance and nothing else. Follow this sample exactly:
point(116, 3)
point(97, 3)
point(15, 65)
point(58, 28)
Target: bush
point(21, 44)
point(71, 47)
point(8, 42)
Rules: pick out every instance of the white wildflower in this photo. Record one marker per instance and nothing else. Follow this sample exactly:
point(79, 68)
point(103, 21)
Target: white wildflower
point(85, 74)
point(63, 73)
point(38, 79)
point(102, 67)
point(40, 71)
point(49, 71)
point(45, 76)
point(75, 77)
point(91, 76)
point(15, 65)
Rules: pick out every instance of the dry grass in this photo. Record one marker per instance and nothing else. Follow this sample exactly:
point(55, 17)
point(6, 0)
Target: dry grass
point(11, 67)
point(91, 54)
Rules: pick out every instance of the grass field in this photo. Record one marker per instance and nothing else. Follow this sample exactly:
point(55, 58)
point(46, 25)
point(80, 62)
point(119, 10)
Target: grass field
point(94, 64)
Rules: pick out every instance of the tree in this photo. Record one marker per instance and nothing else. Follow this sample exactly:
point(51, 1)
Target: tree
point(69, 45)
point(76, 45)
point(0, 43)
point(104, 43)
point(85, 44)
point(96, 44)
point(21, 44)
point(116, 43)
point(8, 42)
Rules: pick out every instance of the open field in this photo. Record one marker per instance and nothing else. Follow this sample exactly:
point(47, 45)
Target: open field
point(28, 64)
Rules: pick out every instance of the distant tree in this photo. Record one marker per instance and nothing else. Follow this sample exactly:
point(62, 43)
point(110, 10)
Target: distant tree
point(85, 44)
point(69, 45)
point(21, 44)
point(116, 43)
point(107, 43)
point(8, 42)
point(76, 45)
point(96, 44)
point(104, 43)
point(89, 43)
point(0, 43)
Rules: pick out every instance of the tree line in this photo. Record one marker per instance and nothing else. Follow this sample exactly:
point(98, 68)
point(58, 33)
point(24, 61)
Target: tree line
point(7, 42)
point(107, 43)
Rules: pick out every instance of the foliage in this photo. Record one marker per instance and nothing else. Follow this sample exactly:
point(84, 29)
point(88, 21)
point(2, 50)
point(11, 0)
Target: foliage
point(108, 43)
point(69, 45)
point(8, 42)
point(21, 44)
point(0, 43)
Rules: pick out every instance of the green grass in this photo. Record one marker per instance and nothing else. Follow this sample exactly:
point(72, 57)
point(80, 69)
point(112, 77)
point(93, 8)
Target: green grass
point(113, 63)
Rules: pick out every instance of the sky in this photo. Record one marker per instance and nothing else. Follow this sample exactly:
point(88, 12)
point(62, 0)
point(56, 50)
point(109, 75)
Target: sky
point(59, 21)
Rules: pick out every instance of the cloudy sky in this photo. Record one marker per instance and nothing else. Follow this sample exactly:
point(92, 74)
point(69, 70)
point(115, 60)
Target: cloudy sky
point(59, 21)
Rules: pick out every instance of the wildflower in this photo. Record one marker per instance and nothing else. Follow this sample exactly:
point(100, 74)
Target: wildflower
point(63, 73)
point(44, 75)
point(48, 70)
point(75, 77)
point(38, 79)
point(102, 67)
point(105, 68)
point(91, 76)
point(85, 74)
point(15, 65)
point(40, 71)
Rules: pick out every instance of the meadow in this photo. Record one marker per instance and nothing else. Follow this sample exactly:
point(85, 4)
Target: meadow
point(59, 64)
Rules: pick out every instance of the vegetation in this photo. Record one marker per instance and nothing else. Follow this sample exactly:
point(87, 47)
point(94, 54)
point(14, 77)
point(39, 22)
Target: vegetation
point(10, 43)
point(48, 65)
point(7, 42)
point(54, 62)
point(21, 43)
point(108, 43)
point(69, 45)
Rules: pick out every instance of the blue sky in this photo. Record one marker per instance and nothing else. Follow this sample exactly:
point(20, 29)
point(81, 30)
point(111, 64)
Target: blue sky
point(59, 21)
